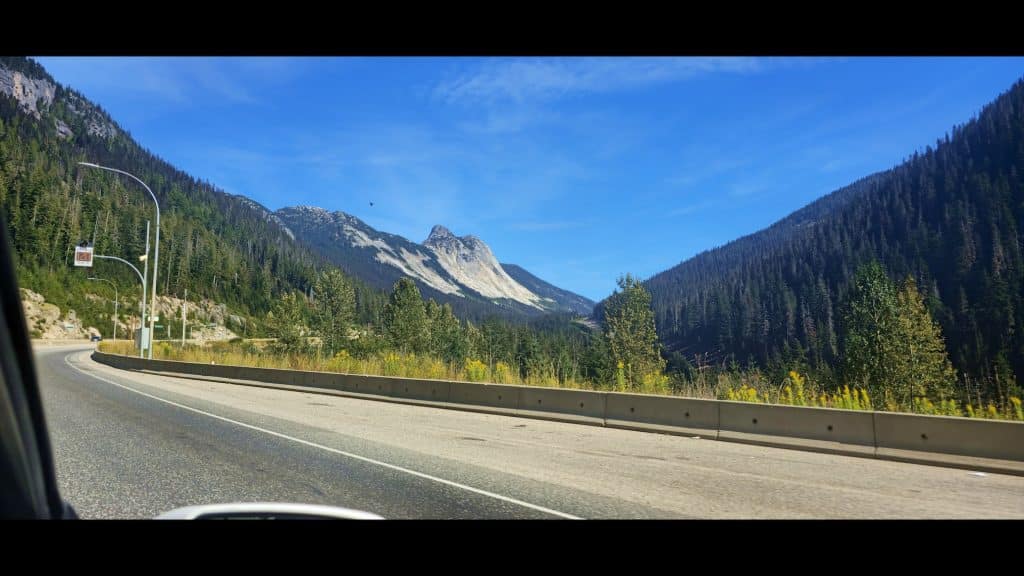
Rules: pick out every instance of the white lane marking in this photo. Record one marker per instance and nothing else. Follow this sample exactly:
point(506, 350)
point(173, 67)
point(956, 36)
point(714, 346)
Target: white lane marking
point(335, 450)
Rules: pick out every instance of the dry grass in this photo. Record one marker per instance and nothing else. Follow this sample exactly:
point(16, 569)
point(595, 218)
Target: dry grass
point(794, 390)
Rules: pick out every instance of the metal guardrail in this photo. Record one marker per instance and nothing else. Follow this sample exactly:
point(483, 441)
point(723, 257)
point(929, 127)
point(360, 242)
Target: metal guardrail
point(987, 445)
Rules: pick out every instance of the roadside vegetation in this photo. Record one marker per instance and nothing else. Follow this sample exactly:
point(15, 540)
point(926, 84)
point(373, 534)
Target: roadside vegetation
point(895, 357)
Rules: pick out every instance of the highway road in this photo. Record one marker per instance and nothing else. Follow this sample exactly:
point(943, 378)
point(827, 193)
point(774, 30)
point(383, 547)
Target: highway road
point(132, 445)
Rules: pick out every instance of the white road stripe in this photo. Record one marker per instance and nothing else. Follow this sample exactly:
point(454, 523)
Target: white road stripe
point(335, 450)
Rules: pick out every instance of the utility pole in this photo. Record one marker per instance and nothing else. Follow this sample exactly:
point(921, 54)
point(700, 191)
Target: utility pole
point(144, 341)
point(184, 317)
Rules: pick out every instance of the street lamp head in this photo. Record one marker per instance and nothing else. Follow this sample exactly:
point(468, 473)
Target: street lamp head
point(89, 164)
point(143, 258)
point(92, 278)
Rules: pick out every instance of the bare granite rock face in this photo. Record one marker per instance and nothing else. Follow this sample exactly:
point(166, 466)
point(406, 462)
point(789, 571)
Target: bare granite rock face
point(45, 321)
point(206, 318)
point(455, 266)
point(34, 95)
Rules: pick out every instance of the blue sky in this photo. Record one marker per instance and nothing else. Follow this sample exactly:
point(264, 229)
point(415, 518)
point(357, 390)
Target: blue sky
point(577, 169)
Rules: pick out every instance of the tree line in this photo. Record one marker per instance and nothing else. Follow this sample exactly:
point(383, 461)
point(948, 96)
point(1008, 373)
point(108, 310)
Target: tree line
point(556, 349)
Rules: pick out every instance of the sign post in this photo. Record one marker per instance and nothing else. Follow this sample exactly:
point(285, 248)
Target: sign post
point(142, 338)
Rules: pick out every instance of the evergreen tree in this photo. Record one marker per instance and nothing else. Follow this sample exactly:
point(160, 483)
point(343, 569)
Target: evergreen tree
point(596, 365)
point(892, 346)
point(405, 318)
point(286, 323)
point(334, 309)
point(447, 340)
point(629, 328)
point(924, 365)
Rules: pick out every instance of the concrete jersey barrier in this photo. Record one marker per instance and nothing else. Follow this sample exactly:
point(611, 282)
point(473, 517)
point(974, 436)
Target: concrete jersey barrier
point(996, 446)
point(818, 429)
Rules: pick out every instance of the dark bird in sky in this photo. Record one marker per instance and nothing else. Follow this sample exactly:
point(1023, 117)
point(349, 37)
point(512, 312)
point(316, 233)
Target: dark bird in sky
point(371, 203)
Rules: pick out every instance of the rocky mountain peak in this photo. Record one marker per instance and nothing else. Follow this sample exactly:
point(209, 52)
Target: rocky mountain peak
point(455, 266)
point(439, 234)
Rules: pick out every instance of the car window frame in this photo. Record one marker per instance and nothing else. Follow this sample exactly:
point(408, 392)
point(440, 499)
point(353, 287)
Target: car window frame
point(26, 451)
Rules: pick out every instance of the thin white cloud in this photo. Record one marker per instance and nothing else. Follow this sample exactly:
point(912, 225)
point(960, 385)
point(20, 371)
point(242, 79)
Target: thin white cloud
point(507, 121)
point(682, 181)
point(546, 225)
point(689, 209)
point(705, 167)
point(523, 80)
point(832, 165)
point(216, 78)
point(743, 189)
point(178, 80)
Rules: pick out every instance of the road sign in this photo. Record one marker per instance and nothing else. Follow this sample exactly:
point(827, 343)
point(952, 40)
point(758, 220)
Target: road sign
point(83, 256)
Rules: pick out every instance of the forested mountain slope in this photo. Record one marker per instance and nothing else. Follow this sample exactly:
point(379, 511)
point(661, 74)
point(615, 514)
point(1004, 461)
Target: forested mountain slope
point(223, 247)
point(951, 217)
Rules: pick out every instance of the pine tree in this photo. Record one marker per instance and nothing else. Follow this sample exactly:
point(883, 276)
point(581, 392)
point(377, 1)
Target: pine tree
point(334, 309)
point(286, 323)
point(924, 363)
point(447, 340)
point(892, 346)
point(596, 364)
point(405, 318)
point(629, 328)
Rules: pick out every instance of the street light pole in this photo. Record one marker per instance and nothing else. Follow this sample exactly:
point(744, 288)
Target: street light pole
point(115, 301)
point(139, 274)
point(156, 251)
